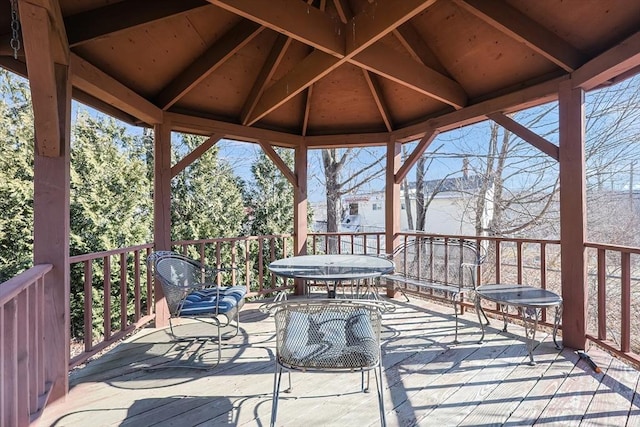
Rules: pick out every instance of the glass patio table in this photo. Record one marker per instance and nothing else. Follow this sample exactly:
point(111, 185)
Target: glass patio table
point(332, 269)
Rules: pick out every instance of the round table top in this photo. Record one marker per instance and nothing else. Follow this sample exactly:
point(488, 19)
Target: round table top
point(332, 267)
point(519, 295)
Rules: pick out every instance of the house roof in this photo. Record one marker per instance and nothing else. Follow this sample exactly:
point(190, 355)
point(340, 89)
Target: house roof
point(324, 72)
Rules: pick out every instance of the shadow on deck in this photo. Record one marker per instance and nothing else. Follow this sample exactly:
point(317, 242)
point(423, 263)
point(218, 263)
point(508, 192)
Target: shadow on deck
point(428, 380)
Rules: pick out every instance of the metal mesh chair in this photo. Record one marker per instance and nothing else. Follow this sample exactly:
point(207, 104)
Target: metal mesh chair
point(331, 335)
point(191, 291)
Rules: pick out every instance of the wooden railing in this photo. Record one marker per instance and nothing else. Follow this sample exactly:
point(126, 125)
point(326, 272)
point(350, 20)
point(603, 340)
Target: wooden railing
point(249, 256)
point(614, 281)
point(123, 285)
point(527, 261)
point(24, 388)
point(116, 287)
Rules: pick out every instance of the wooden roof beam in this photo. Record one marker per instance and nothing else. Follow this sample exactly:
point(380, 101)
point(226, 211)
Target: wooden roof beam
point(424, 143)
point(307, 111)
point(293, 18)
point(514, 101)
point(344, 10)
point(378, 97)
point(403, 70)
point(520, 27)
point(98, 84)
point(223, 49)
point(379, 19)
point(195, 154)
point(376, 21)
point(266, 73)
point(417, 48)
point(58, 37)
point(526, 134)
point(40, 42)
point(617, 61)
point(277, 160)
point(95, 23)
point(205, 126)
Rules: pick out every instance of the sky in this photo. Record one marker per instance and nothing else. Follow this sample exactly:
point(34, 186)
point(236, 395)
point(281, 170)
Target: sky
point(446, 151)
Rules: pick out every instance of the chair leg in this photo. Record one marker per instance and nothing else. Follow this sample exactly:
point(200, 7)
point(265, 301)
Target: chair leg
point(365, 388)
point(219, 342)
point(379, 385)
point(276, 391)
point(455, 310)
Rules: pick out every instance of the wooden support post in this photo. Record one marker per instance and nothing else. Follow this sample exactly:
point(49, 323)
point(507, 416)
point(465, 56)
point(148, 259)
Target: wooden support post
point(162, 209)
point(300, 207)
point(51, 184)
point(573, 215)
point(392, 199)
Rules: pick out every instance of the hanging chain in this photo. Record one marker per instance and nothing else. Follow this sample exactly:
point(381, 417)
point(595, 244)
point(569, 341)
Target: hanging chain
point(15, 29)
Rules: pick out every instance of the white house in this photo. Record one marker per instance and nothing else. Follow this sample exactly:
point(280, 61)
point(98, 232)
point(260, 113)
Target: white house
point(452, 210)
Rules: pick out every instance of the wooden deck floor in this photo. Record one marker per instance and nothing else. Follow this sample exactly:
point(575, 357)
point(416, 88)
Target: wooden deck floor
point(428, 381)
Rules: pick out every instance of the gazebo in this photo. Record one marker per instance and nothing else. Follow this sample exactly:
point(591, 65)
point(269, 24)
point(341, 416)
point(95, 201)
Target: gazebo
point(307, 75)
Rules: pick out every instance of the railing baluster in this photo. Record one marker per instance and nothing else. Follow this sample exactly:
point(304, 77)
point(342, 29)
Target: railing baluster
point(88, 306)
point(260, 264)
point(497, 261)
point(136, 285)
point(625, 265)
point(123, 291)
point(106, 268)
point(519, 261)
point(10, 367)
point(602, 294)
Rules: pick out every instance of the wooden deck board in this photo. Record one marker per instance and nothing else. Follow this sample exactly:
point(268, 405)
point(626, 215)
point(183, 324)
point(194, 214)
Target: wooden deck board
point(427, 379)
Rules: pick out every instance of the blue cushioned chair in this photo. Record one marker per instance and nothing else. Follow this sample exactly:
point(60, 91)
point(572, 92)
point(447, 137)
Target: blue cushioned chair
point(191, 290)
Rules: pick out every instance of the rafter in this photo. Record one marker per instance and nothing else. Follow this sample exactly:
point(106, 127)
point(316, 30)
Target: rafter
point(520, 27)
point(230, 43)
point(114, 17)
point(379, 19)
point(363, 32)
point(266, 73)
point(308, 71)
point(617, 61)
point(417, 48)
point(403, 70)
point(307, 110)
point(344, 10)
point(98, 84)
point(294, 18)
point(378, 97)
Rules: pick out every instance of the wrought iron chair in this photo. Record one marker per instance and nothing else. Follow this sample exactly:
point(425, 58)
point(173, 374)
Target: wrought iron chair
point(333, 335)
point(191, 291)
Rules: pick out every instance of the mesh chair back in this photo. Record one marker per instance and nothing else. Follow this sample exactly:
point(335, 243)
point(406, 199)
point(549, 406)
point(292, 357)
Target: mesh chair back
point(439, 261)
point(328, 334)
point(178, 275)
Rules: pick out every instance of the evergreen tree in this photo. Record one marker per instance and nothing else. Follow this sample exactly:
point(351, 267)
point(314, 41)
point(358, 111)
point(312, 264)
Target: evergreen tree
point(16, 176)
point(270, 199)
point(206, 197)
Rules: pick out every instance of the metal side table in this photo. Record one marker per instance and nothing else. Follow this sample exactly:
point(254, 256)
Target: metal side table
point(529, 301)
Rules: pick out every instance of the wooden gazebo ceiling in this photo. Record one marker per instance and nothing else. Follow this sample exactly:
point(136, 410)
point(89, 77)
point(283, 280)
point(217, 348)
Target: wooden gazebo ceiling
point(327, 67)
